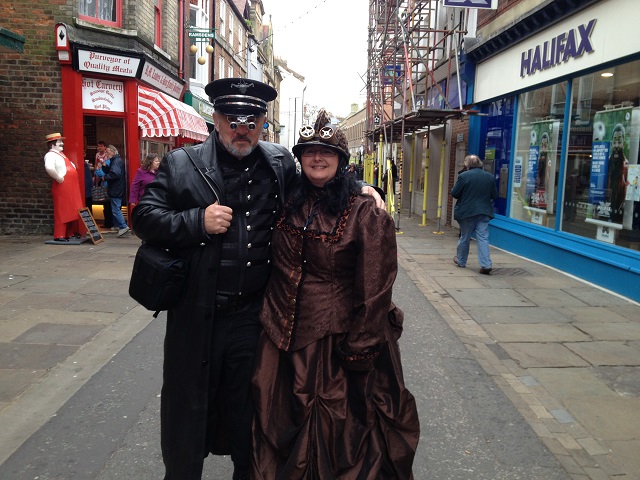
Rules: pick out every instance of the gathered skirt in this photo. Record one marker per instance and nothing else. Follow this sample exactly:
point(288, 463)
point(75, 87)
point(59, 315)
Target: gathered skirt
point(315, 420)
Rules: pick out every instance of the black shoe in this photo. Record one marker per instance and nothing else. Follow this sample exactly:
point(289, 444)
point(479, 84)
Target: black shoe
point(61, 239)
point(485, 271)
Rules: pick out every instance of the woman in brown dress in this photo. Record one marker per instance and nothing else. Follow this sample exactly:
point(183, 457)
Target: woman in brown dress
point(328, 385)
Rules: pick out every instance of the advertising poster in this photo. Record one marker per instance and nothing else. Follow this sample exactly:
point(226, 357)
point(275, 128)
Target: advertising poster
point(541, 174)
point(532, 171)
point(633, 186)
point(614, 132)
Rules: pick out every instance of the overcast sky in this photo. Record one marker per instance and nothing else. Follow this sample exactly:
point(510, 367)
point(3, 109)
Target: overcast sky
point(326, 42)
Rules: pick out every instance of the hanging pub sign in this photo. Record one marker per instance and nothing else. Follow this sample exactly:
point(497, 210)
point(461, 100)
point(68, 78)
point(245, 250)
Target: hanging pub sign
point(103, 95)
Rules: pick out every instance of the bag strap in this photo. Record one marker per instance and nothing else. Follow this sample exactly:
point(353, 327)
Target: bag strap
point(199, 164)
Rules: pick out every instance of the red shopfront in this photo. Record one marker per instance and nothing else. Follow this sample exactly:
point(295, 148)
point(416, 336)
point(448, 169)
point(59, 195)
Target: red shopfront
point(123, 100)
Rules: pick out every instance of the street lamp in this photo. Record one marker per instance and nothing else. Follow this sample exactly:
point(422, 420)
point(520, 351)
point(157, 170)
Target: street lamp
point(305, 87)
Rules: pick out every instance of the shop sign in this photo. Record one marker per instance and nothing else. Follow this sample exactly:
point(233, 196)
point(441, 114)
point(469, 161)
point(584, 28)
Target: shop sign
point(98, 62)
point(157, 78)
point(493, 4)
point(206, 110)
point(104, 95)
point(559, 49)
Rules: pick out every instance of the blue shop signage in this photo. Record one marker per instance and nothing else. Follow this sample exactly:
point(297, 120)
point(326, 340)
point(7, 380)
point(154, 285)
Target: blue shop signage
point(557, 50)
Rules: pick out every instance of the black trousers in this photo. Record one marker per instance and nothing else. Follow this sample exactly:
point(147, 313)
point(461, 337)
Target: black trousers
point(235, 338)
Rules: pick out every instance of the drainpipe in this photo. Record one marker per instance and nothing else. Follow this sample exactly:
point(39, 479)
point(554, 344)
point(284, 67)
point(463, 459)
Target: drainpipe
point(181, 39)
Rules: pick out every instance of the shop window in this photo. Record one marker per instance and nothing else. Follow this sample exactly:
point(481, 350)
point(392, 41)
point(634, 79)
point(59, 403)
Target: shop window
point(537, 157)
point(105, 12)
point(602, 175)
point(198, 18)
point(223, 18)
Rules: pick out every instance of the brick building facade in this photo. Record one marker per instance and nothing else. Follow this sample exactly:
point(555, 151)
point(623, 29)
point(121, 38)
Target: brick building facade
point(124, 46)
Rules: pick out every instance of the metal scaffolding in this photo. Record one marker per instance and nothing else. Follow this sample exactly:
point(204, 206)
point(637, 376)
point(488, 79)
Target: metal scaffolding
point(413, 52)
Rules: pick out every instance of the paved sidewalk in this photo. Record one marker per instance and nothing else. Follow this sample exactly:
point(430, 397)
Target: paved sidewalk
point(565, 352)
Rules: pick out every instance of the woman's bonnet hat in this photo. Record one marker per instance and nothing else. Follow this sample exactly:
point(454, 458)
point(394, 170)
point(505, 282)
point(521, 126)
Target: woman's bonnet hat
point(323, 133)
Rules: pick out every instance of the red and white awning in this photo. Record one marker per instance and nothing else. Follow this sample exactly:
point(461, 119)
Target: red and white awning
point(160, 115)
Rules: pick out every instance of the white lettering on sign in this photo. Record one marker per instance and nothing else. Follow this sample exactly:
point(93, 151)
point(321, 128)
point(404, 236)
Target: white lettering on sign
point(105, 95)
point(559, 49)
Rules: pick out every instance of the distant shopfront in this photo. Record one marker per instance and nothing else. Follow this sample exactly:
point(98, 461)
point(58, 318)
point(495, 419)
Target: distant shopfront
point(124, 100)
point(561, 134)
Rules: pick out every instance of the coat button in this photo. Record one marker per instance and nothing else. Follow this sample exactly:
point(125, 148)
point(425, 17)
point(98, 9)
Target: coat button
point(248, 245)
point(248, 228)
point(205, 363)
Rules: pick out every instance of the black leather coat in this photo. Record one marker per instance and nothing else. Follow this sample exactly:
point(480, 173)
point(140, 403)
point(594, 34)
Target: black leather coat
point(170, 214)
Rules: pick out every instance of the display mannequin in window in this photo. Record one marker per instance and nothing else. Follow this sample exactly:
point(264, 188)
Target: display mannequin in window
point(618, 171)
point(65, 190)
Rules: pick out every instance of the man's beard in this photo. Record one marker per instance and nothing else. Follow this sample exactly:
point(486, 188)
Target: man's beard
point(237, 151)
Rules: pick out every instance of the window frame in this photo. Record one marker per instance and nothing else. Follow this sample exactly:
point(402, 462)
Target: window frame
point(157, 22)
point(109, 23)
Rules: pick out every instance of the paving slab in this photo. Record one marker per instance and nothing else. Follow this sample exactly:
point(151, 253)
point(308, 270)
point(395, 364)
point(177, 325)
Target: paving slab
point(456, 281)
point(606, 353)
point(43, 300)
point(475, 297)
point(609, 418)
point(15, 381)
point(627, 451)
point(594, 314)
point(550, 297)
point(598, 297)
point(623, 380)
point(484, 315)
point(570, 382)
point(611, 330)
point(37, 357)
point(538, 332)
point(59, 334)
point(530, 355)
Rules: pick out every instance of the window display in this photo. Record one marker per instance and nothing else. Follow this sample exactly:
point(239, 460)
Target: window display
point(536, 163)
point(601, 200)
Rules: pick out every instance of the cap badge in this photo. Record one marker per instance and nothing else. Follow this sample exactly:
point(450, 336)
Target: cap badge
point(243, 87)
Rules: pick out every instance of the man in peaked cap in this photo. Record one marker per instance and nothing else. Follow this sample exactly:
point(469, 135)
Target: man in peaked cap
point(216, 205)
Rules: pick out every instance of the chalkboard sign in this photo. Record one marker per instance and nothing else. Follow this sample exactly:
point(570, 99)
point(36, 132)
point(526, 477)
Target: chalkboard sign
point(90, 224)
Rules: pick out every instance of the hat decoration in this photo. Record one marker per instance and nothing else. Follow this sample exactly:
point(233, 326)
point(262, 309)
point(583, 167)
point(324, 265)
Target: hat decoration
point(52, 137)
point(322, 133)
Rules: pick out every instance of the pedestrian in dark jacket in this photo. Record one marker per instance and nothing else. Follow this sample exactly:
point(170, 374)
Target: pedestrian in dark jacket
point(116, 188)
point(219, 218)
point(475, 189)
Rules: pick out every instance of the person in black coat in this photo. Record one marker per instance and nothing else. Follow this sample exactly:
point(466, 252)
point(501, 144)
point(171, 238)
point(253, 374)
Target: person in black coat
point(215, 205)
